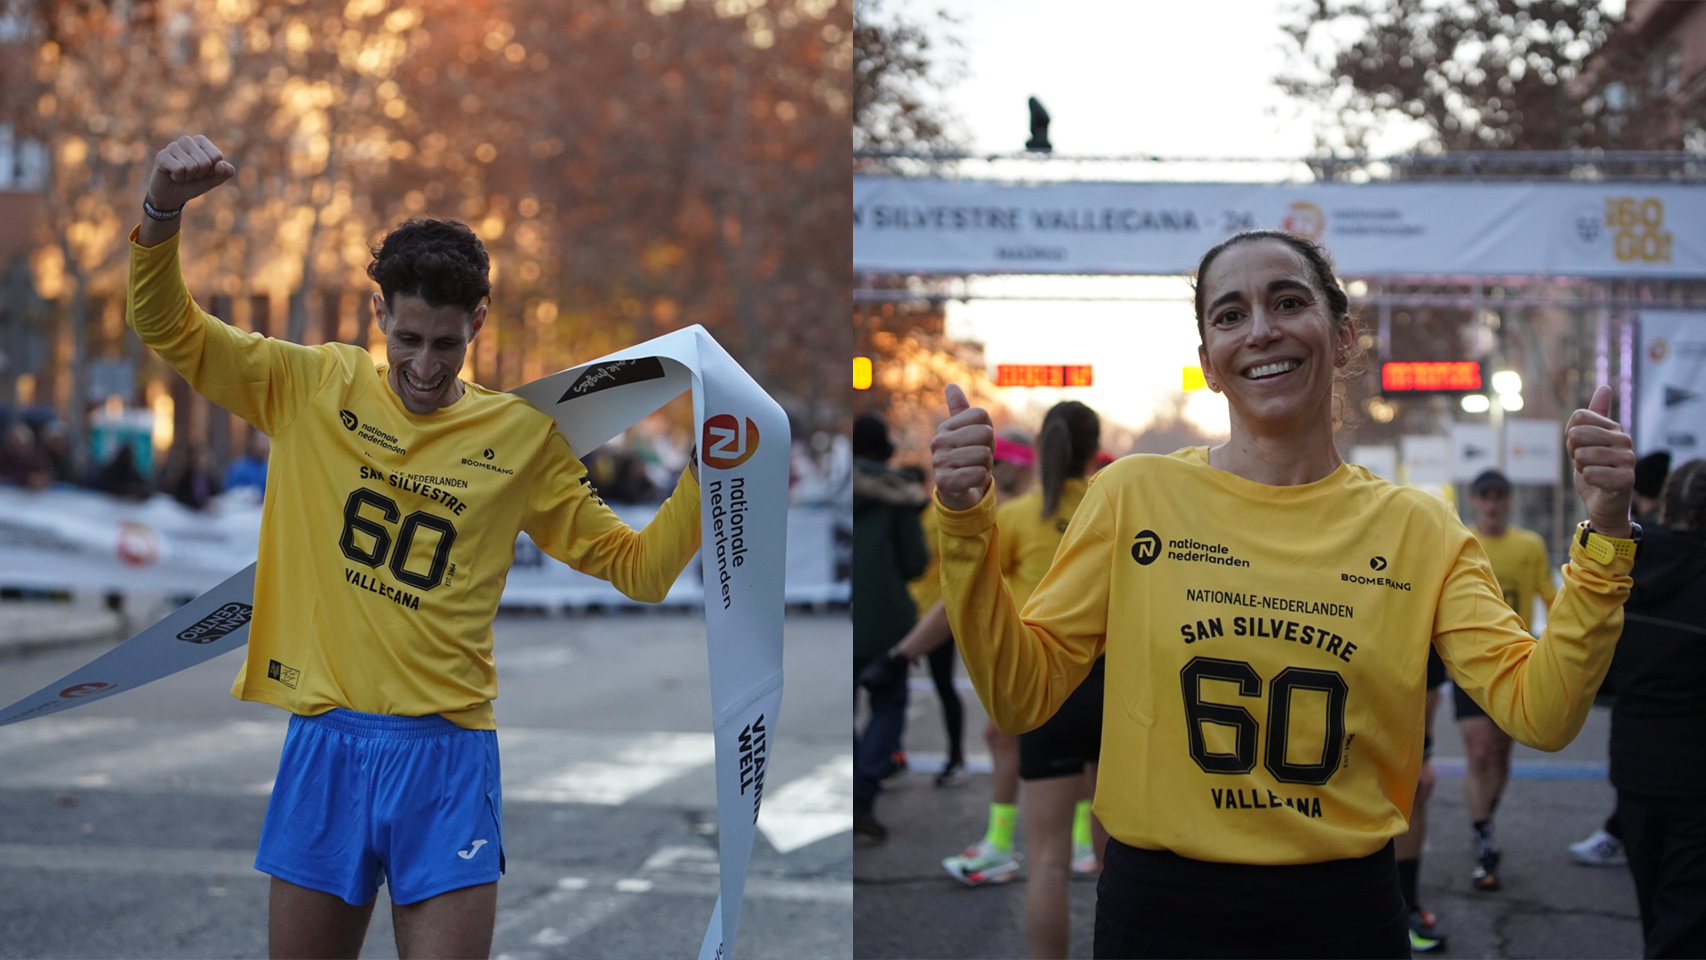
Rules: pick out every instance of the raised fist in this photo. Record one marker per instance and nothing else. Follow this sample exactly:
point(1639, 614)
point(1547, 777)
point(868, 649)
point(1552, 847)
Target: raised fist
point(186, 169)
point(962, 452)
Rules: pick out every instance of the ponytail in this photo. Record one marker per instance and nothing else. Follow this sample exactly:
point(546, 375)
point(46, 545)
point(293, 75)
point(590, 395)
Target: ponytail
point(1071, 432)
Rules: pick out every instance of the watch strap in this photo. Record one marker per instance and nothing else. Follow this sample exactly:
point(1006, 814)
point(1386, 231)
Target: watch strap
point(1603, 549)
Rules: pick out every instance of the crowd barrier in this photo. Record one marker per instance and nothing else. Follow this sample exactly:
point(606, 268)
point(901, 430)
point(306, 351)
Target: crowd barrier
point(67, 538)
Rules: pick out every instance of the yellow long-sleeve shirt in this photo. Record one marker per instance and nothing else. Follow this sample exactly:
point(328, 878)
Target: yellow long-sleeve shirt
point(1518, 559)
point(386, 536)
point(1266, 650)
point(1029, 540)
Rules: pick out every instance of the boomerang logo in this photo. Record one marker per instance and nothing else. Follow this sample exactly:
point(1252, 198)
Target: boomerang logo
point(723, 444)
point(469, 854)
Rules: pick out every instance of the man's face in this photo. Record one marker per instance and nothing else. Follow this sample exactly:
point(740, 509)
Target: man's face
point(1492, 509)
point(426, 346)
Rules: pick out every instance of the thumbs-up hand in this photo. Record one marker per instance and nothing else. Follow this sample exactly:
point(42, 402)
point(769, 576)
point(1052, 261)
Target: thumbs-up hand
point(1604, 462)
point(964, 451)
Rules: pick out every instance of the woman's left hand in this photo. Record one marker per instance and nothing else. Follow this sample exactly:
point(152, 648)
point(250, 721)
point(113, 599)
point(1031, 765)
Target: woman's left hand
point(1604, 464)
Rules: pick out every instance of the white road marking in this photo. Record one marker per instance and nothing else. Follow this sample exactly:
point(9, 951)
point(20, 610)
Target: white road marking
point(49, 731)
point(815, 806)
point(630, 765)
point(151, 762)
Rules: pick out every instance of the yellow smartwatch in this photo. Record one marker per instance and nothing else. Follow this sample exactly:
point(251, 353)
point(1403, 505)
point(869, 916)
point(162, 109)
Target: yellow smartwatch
point(1604, 549)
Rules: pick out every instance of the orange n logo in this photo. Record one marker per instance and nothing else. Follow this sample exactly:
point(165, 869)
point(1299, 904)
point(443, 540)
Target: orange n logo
point(723, 445)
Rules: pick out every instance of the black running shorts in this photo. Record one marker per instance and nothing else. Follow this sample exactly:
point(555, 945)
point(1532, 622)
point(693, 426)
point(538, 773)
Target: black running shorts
point(1069, 739)
point(1153, 903)
point(1465, 706)
point(1436, 669)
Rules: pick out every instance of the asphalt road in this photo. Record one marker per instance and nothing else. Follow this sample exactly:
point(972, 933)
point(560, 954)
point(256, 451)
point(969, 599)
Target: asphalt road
point(128, 826)
point(905, 905)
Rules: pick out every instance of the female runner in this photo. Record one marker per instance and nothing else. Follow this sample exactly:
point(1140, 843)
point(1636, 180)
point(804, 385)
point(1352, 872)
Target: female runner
point(1266, 612)
point(1058, 757)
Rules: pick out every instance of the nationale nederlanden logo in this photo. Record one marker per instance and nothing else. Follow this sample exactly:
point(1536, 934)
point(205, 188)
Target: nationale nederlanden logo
point(724, 444)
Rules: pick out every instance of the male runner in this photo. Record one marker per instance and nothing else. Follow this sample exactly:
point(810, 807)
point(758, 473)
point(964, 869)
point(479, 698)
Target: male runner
point(1519, 562)
point(394, 497)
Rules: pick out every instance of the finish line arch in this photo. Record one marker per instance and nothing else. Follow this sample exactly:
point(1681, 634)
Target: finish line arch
point(1623, 248)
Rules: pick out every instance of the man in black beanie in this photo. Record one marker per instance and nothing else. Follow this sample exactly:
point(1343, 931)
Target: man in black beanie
point(888, 550)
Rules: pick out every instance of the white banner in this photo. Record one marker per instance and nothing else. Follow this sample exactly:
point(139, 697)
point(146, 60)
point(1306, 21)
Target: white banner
point(1474, 448)
point(1427, 460)
point(1574, 229)
point(1534, 450)
point(743, 454)
point(1671, 404)
point(1380, 459)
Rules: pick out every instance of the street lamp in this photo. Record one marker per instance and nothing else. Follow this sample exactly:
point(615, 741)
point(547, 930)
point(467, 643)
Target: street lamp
point(1508, 385)
point(1476, 402)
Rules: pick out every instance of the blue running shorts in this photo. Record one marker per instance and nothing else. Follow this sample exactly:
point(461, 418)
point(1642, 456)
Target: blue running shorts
point(363, 798)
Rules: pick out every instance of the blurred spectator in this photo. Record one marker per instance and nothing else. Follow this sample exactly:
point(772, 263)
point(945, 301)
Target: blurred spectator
point(888, 550)
point(821, 472)
point(22, 461)
point(250, 470)
point(631, 483)
point(196, 484)
point(1650, 473)
point(56, 446)
point(1658, 721)
point(119, 476)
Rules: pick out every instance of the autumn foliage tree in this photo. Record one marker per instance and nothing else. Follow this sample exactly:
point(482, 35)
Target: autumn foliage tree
point(1480, 75)
point(633, 167)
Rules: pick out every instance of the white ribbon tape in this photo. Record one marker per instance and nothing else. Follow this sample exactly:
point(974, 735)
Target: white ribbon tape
point(743, 476)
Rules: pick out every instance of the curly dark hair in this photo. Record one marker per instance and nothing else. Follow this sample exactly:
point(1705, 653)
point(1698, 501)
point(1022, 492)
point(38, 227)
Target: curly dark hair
point(440, 261)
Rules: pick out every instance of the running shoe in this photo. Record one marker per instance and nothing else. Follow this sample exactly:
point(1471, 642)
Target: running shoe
point(865, 825)
point(952, 775)
point(1485, 876)
point(897, 765)
point(1424, 935)
point(1600, 850)
point(982, 863)
point(1084, 861)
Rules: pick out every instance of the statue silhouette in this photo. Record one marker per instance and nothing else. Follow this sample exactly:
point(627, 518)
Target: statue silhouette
point(1039, 129)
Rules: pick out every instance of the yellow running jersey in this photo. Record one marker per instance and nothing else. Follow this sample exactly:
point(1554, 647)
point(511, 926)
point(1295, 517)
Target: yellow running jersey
point(1266, 650)
point(386, 537)
point(1518, 558)
point(1028, 540)
point(926, 588)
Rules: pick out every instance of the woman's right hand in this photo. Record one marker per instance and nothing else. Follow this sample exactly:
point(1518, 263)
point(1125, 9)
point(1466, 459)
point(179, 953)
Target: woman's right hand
point(962, 452)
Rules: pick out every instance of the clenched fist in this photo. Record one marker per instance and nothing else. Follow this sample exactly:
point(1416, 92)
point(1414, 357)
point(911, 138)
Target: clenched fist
point(963, 452)
point(1604, 464)
point(186, 169)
